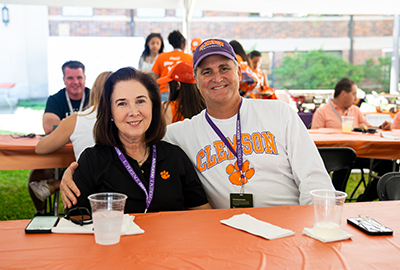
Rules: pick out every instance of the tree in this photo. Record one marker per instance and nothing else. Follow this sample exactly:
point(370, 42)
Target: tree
point(315, 70)
point(378, 74)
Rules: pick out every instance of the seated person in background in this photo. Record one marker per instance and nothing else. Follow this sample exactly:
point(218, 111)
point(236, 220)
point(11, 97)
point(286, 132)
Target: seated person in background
point(184, 99)
point(396, 121)
point(255, 59)
point(275, 162)
point(73, 98)
point(76, 128)
point(329, 116)
point(129, 157)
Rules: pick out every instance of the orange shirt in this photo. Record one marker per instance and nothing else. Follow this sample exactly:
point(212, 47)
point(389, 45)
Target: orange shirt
point(165, 61)
point(325, 117)
point(174, 109)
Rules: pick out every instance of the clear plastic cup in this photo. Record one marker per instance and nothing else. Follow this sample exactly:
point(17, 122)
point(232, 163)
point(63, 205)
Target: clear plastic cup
point(347, 123)
point(107, 214)
point(328, 207)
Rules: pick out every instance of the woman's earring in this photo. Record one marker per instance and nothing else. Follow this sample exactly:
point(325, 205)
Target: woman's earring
point(112, 119)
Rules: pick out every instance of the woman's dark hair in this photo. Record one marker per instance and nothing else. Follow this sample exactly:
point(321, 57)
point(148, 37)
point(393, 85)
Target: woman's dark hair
point(237, 47)
point(190, 101)
point(146, 51)
point(105, 131)
point(176, 39)
point(344, 84)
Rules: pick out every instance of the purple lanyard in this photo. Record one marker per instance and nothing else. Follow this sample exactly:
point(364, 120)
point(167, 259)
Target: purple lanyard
point(128, 167)
point(239, 148)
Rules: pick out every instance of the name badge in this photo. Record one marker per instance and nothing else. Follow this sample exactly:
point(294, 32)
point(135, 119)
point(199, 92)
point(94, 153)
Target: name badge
point(243, 200)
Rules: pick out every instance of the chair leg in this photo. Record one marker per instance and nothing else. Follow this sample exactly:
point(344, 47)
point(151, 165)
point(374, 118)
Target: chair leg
point(362, 181)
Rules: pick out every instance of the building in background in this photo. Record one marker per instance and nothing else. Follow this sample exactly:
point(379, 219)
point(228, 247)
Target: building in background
point(275, 35)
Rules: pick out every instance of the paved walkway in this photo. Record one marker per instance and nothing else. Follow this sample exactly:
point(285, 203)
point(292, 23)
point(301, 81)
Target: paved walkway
point(21, 120)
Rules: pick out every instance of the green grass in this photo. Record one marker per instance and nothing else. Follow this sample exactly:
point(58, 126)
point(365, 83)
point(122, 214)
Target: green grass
point(16, 203)
point(14, 197)
point(34, 105)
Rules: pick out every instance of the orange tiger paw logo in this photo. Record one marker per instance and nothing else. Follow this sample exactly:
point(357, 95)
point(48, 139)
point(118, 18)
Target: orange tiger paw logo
point(235, 175)
point(164, 175)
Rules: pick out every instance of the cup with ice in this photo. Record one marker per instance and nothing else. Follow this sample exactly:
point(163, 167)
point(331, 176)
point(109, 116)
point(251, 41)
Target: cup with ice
point(328, 206)
point(107, 214)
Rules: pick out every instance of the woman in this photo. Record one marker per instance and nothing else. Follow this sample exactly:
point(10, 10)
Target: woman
point(249, 81)
point(129, 156)
point(76, 129)
point(153, 46)
point(184, 99)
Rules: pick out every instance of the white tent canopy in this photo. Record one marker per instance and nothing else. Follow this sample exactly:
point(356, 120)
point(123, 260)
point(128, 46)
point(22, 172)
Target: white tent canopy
point(352, 7)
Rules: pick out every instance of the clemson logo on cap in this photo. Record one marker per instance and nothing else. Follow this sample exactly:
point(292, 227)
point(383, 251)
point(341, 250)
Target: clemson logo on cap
point(211, 42)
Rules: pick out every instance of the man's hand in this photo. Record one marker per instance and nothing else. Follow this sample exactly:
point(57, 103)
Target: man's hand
point(386, 125)
point(69, 191)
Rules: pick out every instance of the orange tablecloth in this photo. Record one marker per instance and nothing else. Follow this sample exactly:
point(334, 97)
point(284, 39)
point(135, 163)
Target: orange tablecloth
point(197, 240)
point(19, 154)
point(365, 145)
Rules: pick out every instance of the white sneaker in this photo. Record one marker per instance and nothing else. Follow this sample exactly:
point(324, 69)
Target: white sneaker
point(42, 189)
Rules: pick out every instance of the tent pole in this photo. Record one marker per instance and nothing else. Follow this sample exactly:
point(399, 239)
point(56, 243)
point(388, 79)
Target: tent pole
point(394, 71)
point(188, 11)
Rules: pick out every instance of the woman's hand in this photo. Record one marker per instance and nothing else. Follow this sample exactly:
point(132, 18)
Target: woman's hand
point(69, 191)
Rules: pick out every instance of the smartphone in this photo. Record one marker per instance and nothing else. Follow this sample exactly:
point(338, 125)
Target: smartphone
point(41, 224)
point(369, 226)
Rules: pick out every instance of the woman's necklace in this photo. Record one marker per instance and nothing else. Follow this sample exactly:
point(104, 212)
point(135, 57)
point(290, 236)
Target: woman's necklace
point(140, 162)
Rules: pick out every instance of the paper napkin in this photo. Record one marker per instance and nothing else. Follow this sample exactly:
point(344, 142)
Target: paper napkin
point(342, 235)
point(129, 227)
point(254, 226)
point(388, 135)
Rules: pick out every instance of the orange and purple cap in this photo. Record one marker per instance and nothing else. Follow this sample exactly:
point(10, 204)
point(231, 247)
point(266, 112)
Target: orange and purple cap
point(210, 47)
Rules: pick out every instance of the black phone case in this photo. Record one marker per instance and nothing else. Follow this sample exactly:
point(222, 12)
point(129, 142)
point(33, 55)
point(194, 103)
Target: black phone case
point(371, 228)
point(27, 230)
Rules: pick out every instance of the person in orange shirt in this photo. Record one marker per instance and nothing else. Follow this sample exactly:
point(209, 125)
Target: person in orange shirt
point(165, 61)
point(249, 82)
point(268, 92)
point(185, 100)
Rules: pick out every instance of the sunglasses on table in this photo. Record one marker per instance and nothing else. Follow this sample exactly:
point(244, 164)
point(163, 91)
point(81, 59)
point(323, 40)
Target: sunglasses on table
point(79, 215)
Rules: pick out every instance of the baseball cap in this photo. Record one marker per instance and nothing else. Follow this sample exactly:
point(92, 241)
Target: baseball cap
point(210, 47)
point(181, 72)
point(195, 42)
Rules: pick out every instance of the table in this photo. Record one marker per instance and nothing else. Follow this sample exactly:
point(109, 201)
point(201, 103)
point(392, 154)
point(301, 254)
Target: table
point(197, 240)
point(19, 154)
point(365, 145)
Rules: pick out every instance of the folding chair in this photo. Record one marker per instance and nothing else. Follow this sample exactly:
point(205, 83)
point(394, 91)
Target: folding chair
point(338, 158)
point(389, 186)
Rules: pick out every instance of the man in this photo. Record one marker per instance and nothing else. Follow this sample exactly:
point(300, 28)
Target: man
point(329, 116)
point(73, 98)
point(275, 162)
point(165, 61)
